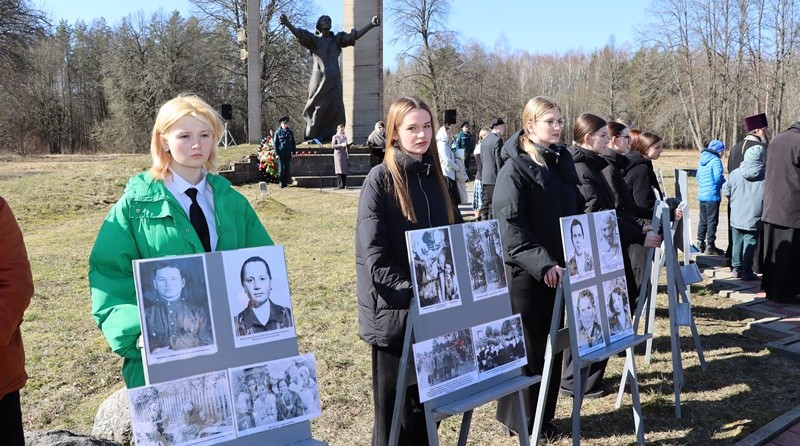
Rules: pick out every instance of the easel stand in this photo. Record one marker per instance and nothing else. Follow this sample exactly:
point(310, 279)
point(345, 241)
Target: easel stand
point(227, 137)
point(470, 312)
point(562, 339)
point(680, 312)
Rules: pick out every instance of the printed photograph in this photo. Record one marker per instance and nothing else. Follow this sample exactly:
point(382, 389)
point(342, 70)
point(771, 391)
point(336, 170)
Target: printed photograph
point(618, 308)
point(434, 273)
point(258, 295)
point(500, 346)
point(275, 393)
point(608, 241)
point(587, 325)
point(487, 273)
point(577, 243)
point(174, 308)
point(444, 364)
point(194, 410)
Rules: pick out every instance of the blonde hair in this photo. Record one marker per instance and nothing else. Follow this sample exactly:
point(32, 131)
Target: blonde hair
point(534, 109)
point(398, 181)
point(169, 113)
point(483, 133)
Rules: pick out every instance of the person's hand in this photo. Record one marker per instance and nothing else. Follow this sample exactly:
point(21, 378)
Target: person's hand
point(553, 276)
point(140, 342)
point(283, 20)
point(652, 240)
point(647, 228)
point(376, 21)
point(678, 214)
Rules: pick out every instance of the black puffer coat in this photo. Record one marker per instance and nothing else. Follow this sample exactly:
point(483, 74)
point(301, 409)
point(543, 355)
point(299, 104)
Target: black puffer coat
point(598, 194)
point(528, 201)
point(383, 279)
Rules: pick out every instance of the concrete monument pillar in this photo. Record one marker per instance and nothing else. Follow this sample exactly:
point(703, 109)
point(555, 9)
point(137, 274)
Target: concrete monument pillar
point(362, 70)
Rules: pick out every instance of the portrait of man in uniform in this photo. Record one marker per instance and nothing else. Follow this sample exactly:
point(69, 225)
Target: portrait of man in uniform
point(173, 320)
point(262, 314)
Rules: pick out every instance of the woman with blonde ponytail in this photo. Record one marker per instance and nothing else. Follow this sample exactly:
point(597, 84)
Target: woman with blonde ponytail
point(406, 192)
point(536, 186)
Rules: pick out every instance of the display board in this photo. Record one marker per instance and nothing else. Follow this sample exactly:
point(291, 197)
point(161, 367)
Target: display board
point(220, 352)
point(462, 343)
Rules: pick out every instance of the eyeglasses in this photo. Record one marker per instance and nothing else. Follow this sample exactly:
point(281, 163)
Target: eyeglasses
point(552, 122)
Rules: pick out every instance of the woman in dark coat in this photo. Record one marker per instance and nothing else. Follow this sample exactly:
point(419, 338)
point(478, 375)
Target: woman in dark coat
point(536, 186)
point(406, 192)
point(590, 134)
point(641, 179)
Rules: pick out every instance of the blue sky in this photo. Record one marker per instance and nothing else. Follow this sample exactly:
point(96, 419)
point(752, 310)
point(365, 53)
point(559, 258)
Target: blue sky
point(510, 24)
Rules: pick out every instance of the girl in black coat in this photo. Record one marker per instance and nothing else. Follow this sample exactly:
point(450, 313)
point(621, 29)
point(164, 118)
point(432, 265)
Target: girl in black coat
point(406, 192)
point(641, 179)
point(536, 186)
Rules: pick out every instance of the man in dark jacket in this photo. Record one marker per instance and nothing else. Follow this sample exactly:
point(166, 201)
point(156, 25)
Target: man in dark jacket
point(16, 290)
point(285, 147)
point(492, 163)
point(781, 217)
point(464, 141)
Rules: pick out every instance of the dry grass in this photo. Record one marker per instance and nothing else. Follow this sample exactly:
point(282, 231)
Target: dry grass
point(61, 201)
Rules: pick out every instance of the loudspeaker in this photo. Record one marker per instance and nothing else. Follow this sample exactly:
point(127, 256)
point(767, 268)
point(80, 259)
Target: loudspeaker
point(450, 116)
point(226, 111)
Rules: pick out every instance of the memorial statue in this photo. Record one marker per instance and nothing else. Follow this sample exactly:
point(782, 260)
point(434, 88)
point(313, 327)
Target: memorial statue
point(324, 108)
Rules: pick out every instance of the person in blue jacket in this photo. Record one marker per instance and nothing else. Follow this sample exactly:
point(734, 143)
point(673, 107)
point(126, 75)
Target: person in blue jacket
point(710, 178)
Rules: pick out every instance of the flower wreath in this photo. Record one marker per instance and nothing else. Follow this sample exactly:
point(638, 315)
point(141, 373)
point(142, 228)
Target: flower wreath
point(267, 160)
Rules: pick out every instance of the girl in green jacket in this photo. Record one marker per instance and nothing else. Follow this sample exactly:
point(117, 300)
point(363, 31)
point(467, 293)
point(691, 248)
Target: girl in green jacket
point(175, 208)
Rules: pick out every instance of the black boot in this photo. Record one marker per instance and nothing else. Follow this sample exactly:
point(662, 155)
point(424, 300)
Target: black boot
point(712, 250)
point(344, 182)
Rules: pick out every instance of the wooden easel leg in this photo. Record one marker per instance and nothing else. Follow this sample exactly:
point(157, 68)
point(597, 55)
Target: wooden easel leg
point(629, 365)
point(400, 395)
point(635, 398)
point(582, 375)
point(522, 423)
point(430, 425)
point(466, 420)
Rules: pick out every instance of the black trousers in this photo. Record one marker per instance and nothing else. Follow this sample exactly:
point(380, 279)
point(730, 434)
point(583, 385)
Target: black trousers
point(285, 169)
point(486, 201)
point(452, 187)
point(385, 368)
point(11, 420)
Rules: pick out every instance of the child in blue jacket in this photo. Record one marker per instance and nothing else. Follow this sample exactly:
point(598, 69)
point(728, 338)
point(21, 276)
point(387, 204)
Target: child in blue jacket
point(709, 183)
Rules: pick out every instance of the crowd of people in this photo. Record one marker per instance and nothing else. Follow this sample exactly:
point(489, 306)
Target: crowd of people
point(527, 182)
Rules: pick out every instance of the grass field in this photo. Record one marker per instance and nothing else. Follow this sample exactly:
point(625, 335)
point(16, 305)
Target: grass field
point(60, 202)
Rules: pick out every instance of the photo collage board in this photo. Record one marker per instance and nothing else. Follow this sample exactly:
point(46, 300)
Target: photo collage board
point(594, 277)
point(204, 319)
point(464, 330)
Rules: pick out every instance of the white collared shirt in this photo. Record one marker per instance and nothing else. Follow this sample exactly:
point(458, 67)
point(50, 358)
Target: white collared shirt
point(205, 198)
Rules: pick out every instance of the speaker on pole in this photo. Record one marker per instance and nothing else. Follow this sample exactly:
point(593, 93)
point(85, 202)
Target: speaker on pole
point(450, 116)
point(227, 112)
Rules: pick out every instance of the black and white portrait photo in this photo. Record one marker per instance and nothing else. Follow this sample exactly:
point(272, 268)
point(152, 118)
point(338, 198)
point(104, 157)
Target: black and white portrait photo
point(618, 308)
point(587, 323)
point(433, 269)
point(194, 410)
point(487, 273)
point(275, 393)
point(608, 242)
point(577, 247)
point(258, 294)
point(174, 308)
point(499, 346)
point(445, 363)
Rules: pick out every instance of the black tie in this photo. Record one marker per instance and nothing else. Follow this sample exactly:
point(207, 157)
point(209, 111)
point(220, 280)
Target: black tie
point(198, 219)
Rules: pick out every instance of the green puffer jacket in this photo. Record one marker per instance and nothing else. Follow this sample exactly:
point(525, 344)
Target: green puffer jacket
point(149, 222)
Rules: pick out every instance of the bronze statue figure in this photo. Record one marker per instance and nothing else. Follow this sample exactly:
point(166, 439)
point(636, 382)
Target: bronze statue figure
point(324, 108)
